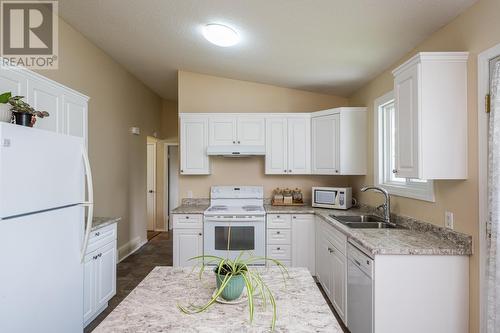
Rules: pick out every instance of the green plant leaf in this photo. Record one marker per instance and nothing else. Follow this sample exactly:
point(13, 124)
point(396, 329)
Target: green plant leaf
point(4, 98)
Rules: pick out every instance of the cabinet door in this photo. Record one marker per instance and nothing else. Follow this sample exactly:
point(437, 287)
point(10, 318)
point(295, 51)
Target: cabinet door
point(338, 281)
point(89, 305)
point(194, 139)
point(75, 115)
point(222, 131)
point(303, 241)
point(13, 81)
point(105, 274)
point(44, 96)
point(299, 145)
point(406, 122)
point(325, 145)
point(276, 146)
point(188, 243)
point(251, 130)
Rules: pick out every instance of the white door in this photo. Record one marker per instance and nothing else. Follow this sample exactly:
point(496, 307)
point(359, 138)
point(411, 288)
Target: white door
point(325, 144)
point(338, 283)
point(188, 243)
point(151, 185)
point(173, 181)
point(299, 145)
point(303, 241)
point(251, 130)
point(105, 274)
point(194, 140)
point(276, 146)
point(222, 131)
point(75, 115)
point(89, 286)
point(43, 96)
point(406, 120)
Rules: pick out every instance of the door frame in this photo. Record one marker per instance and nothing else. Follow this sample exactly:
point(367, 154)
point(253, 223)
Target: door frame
point(483, 84)
point(154, 182)
point(166, 182)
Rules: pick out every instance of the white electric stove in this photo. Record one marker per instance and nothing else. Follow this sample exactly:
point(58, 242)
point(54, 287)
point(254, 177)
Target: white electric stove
point(237, 213)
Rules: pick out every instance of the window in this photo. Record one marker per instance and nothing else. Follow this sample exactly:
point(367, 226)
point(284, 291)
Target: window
point(385, 155)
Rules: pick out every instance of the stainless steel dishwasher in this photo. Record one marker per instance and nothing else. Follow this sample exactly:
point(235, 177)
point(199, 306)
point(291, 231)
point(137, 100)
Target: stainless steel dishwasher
point(359, 291)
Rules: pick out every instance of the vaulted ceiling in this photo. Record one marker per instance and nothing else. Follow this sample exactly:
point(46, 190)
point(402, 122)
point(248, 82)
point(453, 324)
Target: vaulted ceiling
point(328, 46)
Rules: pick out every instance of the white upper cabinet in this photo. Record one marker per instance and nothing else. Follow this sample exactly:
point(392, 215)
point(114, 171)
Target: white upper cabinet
point(251, 130)
point(431, 116)
point(223, 131)
point(288, 144)
point(68, 109)
point(193, 145)
point(339, 141)
point(234, 129)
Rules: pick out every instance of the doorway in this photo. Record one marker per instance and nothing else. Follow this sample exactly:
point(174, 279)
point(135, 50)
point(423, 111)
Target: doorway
point(151, 186)
point(171, 184)
point(486, 62)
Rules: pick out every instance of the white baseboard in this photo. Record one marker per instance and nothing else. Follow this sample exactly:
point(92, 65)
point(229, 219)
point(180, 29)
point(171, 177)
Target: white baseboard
point(129, 248)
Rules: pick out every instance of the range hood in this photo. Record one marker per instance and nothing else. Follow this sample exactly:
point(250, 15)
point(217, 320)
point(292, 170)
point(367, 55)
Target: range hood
point(236, 151)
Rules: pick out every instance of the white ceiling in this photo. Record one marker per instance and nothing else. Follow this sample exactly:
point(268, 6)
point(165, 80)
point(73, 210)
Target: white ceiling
point(329, 46)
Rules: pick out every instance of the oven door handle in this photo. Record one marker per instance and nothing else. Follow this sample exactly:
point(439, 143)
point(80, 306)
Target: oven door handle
point(234, 219)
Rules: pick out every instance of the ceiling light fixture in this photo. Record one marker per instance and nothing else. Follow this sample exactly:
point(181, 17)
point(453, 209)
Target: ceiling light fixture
point(220, 35)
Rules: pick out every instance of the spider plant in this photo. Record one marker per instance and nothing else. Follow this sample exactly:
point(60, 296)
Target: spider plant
point(231, 270)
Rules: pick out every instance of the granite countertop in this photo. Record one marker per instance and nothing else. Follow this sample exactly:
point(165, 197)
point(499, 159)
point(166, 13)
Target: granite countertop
point(100, 222)
point(415, 237)
point(190, 209)
point(152, 305)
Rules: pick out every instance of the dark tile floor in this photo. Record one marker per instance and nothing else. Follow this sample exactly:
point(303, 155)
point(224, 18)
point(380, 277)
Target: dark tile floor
point(132, 270)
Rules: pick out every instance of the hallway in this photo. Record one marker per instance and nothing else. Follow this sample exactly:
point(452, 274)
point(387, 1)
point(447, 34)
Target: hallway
point(132, 270)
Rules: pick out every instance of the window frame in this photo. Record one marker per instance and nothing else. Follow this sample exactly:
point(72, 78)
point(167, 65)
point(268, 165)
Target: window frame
point(414, 190)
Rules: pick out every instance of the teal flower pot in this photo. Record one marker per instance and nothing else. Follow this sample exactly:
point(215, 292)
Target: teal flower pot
point(233, 289)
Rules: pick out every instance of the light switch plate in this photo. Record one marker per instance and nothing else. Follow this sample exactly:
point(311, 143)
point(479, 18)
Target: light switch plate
point(448, 220)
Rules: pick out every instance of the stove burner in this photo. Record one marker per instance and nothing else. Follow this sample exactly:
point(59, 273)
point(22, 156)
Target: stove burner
point(218, 208)
point(252, 208)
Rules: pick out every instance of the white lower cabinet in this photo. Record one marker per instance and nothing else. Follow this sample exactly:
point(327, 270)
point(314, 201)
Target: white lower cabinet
point(99, 272)
point(188, 238)
point(291, 238)
point(331, 264)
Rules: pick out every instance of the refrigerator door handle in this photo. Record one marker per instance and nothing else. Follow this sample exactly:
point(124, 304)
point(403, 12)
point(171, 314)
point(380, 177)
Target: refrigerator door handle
point(89, 203)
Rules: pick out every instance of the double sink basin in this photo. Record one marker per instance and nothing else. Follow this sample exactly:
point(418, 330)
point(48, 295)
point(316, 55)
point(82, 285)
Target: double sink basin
point(364, 222)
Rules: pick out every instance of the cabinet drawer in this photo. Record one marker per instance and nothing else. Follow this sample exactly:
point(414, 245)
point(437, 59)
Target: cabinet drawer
point(335, 237)
point(286, 263)
point(279, 252)
point(101, 236)
point(279, 236)
point(276, 221)
point(188, 221)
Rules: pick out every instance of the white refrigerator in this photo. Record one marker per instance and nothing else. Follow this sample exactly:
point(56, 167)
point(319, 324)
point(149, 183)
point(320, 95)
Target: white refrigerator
point(44, 181)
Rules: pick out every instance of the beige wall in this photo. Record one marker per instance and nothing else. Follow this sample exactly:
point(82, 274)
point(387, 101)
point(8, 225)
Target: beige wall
point(169, 120)
point(117, 101)
point(204, 93)
point(475, 30)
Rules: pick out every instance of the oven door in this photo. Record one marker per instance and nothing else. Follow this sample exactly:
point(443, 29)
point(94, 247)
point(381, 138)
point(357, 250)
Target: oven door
point(227, 238)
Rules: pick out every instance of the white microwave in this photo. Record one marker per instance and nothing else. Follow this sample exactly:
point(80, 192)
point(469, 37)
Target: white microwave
point(332, 197)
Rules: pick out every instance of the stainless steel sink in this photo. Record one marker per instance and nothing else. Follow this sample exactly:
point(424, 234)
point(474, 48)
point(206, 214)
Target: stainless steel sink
point(364, 222)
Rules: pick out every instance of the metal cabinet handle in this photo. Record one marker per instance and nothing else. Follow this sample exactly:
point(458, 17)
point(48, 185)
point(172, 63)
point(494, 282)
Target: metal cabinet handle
point(278, 216)
point(278, 248)
point(357, 262)
point(294, 217)
point(289, 170)
point(238, 142)
point(187, 217)
point(278, 232)
point(330, 250)
point(97, 233)
point(199, 234)
point(182, 171)
point(284, 170)
point(99, 255)
point(336, 171)
point(394, 171)
point(234, 142)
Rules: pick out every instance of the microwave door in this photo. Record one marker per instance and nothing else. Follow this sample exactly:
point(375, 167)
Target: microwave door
point(323, 197)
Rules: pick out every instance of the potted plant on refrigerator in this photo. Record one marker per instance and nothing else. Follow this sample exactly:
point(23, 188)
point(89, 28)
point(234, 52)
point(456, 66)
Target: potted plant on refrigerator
point(5, 113)
point(232, 277)
point(24, 114)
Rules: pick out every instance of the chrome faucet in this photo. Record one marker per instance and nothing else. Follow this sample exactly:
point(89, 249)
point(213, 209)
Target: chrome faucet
point(385, 206)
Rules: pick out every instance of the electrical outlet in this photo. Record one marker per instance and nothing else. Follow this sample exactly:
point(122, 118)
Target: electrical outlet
point(448, 220)
point(190, 194)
